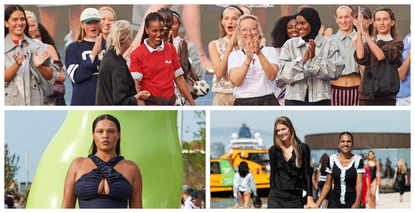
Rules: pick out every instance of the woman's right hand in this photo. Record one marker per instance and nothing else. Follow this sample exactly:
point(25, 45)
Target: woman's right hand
point(97, 49)
point(18, 59)
point(142, 95)
point(232, 42)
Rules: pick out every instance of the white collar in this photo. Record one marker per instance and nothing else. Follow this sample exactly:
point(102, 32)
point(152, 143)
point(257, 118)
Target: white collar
point(384, 37)
point(158, 49)
point(91, 39)
point(301, 41)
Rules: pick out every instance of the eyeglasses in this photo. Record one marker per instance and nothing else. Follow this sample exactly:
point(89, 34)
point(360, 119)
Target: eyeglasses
point(246, 30)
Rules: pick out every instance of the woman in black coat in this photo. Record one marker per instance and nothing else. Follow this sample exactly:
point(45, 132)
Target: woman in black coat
point(115, 84)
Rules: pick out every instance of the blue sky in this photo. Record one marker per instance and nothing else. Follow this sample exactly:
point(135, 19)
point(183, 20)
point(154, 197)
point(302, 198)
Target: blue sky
point(224, 123)
point(31, 130)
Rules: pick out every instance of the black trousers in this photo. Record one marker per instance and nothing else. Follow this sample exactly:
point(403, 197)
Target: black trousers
point(285, 198)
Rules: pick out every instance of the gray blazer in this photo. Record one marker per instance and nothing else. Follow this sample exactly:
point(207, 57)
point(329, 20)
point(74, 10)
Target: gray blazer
point(315, 75)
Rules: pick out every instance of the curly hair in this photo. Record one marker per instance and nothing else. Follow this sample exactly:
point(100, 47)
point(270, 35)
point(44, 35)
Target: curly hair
point(279, 33)
point(154, 16)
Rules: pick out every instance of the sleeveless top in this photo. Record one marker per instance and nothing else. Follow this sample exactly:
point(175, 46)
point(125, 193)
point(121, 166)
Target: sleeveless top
point(223, 85)
point(86, 187)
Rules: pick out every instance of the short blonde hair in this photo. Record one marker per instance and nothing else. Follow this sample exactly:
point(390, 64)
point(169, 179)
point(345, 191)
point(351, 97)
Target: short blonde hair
point(252, 17)
point(120, 31)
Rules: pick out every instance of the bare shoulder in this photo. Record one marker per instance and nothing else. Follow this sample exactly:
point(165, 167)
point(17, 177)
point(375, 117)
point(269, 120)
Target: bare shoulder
point(130, 165)
point(212, 44)
point(78, 162)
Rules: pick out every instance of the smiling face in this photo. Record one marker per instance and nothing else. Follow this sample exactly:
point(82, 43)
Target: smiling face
point(383, 22)
point(175, 27)
point(292, 30)
point(283, 132)
point(16, 25)
point(91, 28)
point(106, 135)
point(107, 19)
point(155, 32)
point(345, 144)
point(230, 20)
point(303, 26)
point(344, 19)
point(32, 26)
point(37, 35)
point(248, 31)
point(168, 21)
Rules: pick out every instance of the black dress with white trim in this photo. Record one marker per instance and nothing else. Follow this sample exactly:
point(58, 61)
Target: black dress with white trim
point(344, 192)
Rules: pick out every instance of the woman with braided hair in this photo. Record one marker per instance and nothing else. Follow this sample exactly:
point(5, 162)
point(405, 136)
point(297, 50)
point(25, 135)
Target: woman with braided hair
point(155, 64)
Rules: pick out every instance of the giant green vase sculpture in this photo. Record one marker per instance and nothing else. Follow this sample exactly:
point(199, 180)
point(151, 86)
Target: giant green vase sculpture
point(149, 138)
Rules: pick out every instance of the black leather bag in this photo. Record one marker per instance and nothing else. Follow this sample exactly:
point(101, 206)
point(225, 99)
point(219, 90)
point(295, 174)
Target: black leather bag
point(257, 202)
point(381, 81)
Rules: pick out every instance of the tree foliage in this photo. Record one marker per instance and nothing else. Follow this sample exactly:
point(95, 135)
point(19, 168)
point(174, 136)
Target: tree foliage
point(194, 157)
point(10, 166)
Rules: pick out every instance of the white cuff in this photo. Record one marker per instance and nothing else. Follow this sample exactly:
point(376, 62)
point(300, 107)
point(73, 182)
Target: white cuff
point(137, 76)
point(178, 72)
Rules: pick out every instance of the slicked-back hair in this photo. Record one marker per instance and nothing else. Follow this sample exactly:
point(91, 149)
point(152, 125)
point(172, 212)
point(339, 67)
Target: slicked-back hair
point(8, 12)
point(394, 28)
point(117, 124)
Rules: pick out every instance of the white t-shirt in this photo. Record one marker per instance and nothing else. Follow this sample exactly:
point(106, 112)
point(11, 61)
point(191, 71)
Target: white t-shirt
point(188, 204)
point(256, 83)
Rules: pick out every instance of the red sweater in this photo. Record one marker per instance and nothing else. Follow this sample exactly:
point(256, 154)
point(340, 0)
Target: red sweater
point(157, 69)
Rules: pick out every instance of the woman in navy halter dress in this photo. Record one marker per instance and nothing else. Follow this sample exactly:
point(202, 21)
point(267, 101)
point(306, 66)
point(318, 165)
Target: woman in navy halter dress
point(103, 179)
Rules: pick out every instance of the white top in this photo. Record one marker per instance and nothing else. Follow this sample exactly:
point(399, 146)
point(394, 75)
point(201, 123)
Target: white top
point(188, 204)
point(256, 83)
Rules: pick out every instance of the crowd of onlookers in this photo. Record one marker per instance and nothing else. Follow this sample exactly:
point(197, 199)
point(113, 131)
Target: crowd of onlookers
point(12, 197)
point(304, 64)
point(193, 199)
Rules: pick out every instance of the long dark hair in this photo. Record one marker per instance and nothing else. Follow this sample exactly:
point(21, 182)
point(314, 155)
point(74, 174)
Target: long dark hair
point(117, 124)
point(279, 33)
point(243, 169)
point(8, 12)
point(46, 38)
point(323, 162)
point(154, 16)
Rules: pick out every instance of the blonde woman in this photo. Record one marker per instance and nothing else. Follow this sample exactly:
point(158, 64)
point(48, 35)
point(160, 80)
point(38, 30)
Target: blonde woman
point(253, 69)
point(108, 17)
point(115, 84)
point(374, 177)
point(400, 178)
point(219, 51)
point(83, 58)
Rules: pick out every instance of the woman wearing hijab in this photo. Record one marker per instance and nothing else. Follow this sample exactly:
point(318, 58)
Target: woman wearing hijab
point(309, 63)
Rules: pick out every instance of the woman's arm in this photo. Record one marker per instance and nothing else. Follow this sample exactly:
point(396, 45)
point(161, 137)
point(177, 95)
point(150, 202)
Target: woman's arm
point(328, 65)
point(38, 60)
point(54, 55)
point(307, 176)
point(78, 69)
point(253, 185)
point(270, 69)
point(138, 89)
point(11, 71)
point(69, 197)
point(403, 70)
point(136, 200)
point(235, 185)
point(378, 171)
point(394, 177)
point(318, 175)
point(325, 190)
point(359, 186)
point(291, 67)
point(220, 67)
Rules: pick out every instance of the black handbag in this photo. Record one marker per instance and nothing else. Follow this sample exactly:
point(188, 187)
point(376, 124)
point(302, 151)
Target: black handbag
point(257, 202)
point(381, 81)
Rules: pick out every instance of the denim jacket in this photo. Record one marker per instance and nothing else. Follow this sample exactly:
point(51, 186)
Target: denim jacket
point(315, 75)
point(27, 87)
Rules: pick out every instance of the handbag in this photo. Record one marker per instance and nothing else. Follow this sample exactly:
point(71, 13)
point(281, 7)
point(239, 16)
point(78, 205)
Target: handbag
point(257, 202)
point(381, 81)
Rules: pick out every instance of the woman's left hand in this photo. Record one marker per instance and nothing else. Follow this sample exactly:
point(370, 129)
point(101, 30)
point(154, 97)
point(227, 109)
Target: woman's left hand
point(257, 45)
point(312, 52)
point(356, 205)
point(40, 59)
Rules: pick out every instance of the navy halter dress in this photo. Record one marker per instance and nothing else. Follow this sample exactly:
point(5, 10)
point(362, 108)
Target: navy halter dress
point(86, 187)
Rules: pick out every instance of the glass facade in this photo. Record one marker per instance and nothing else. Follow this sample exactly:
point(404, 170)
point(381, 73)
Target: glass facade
point(394, 154)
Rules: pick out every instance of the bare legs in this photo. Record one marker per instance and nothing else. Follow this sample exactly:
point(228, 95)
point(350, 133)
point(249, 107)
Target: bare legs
point(244, 198)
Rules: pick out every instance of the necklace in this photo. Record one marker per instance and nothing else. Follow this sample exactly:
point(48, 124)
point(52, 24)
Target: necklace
point(345, 160)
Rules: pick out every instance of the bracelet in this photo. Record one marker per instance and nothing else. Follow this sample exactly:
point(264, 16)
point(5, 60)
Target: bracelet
point(202, 55)
point(246, 64)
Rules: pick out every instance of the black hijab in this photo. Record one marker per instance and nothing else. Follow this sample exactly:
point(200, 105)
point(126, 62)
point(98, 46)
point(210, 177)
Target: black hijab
point(312, 17)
